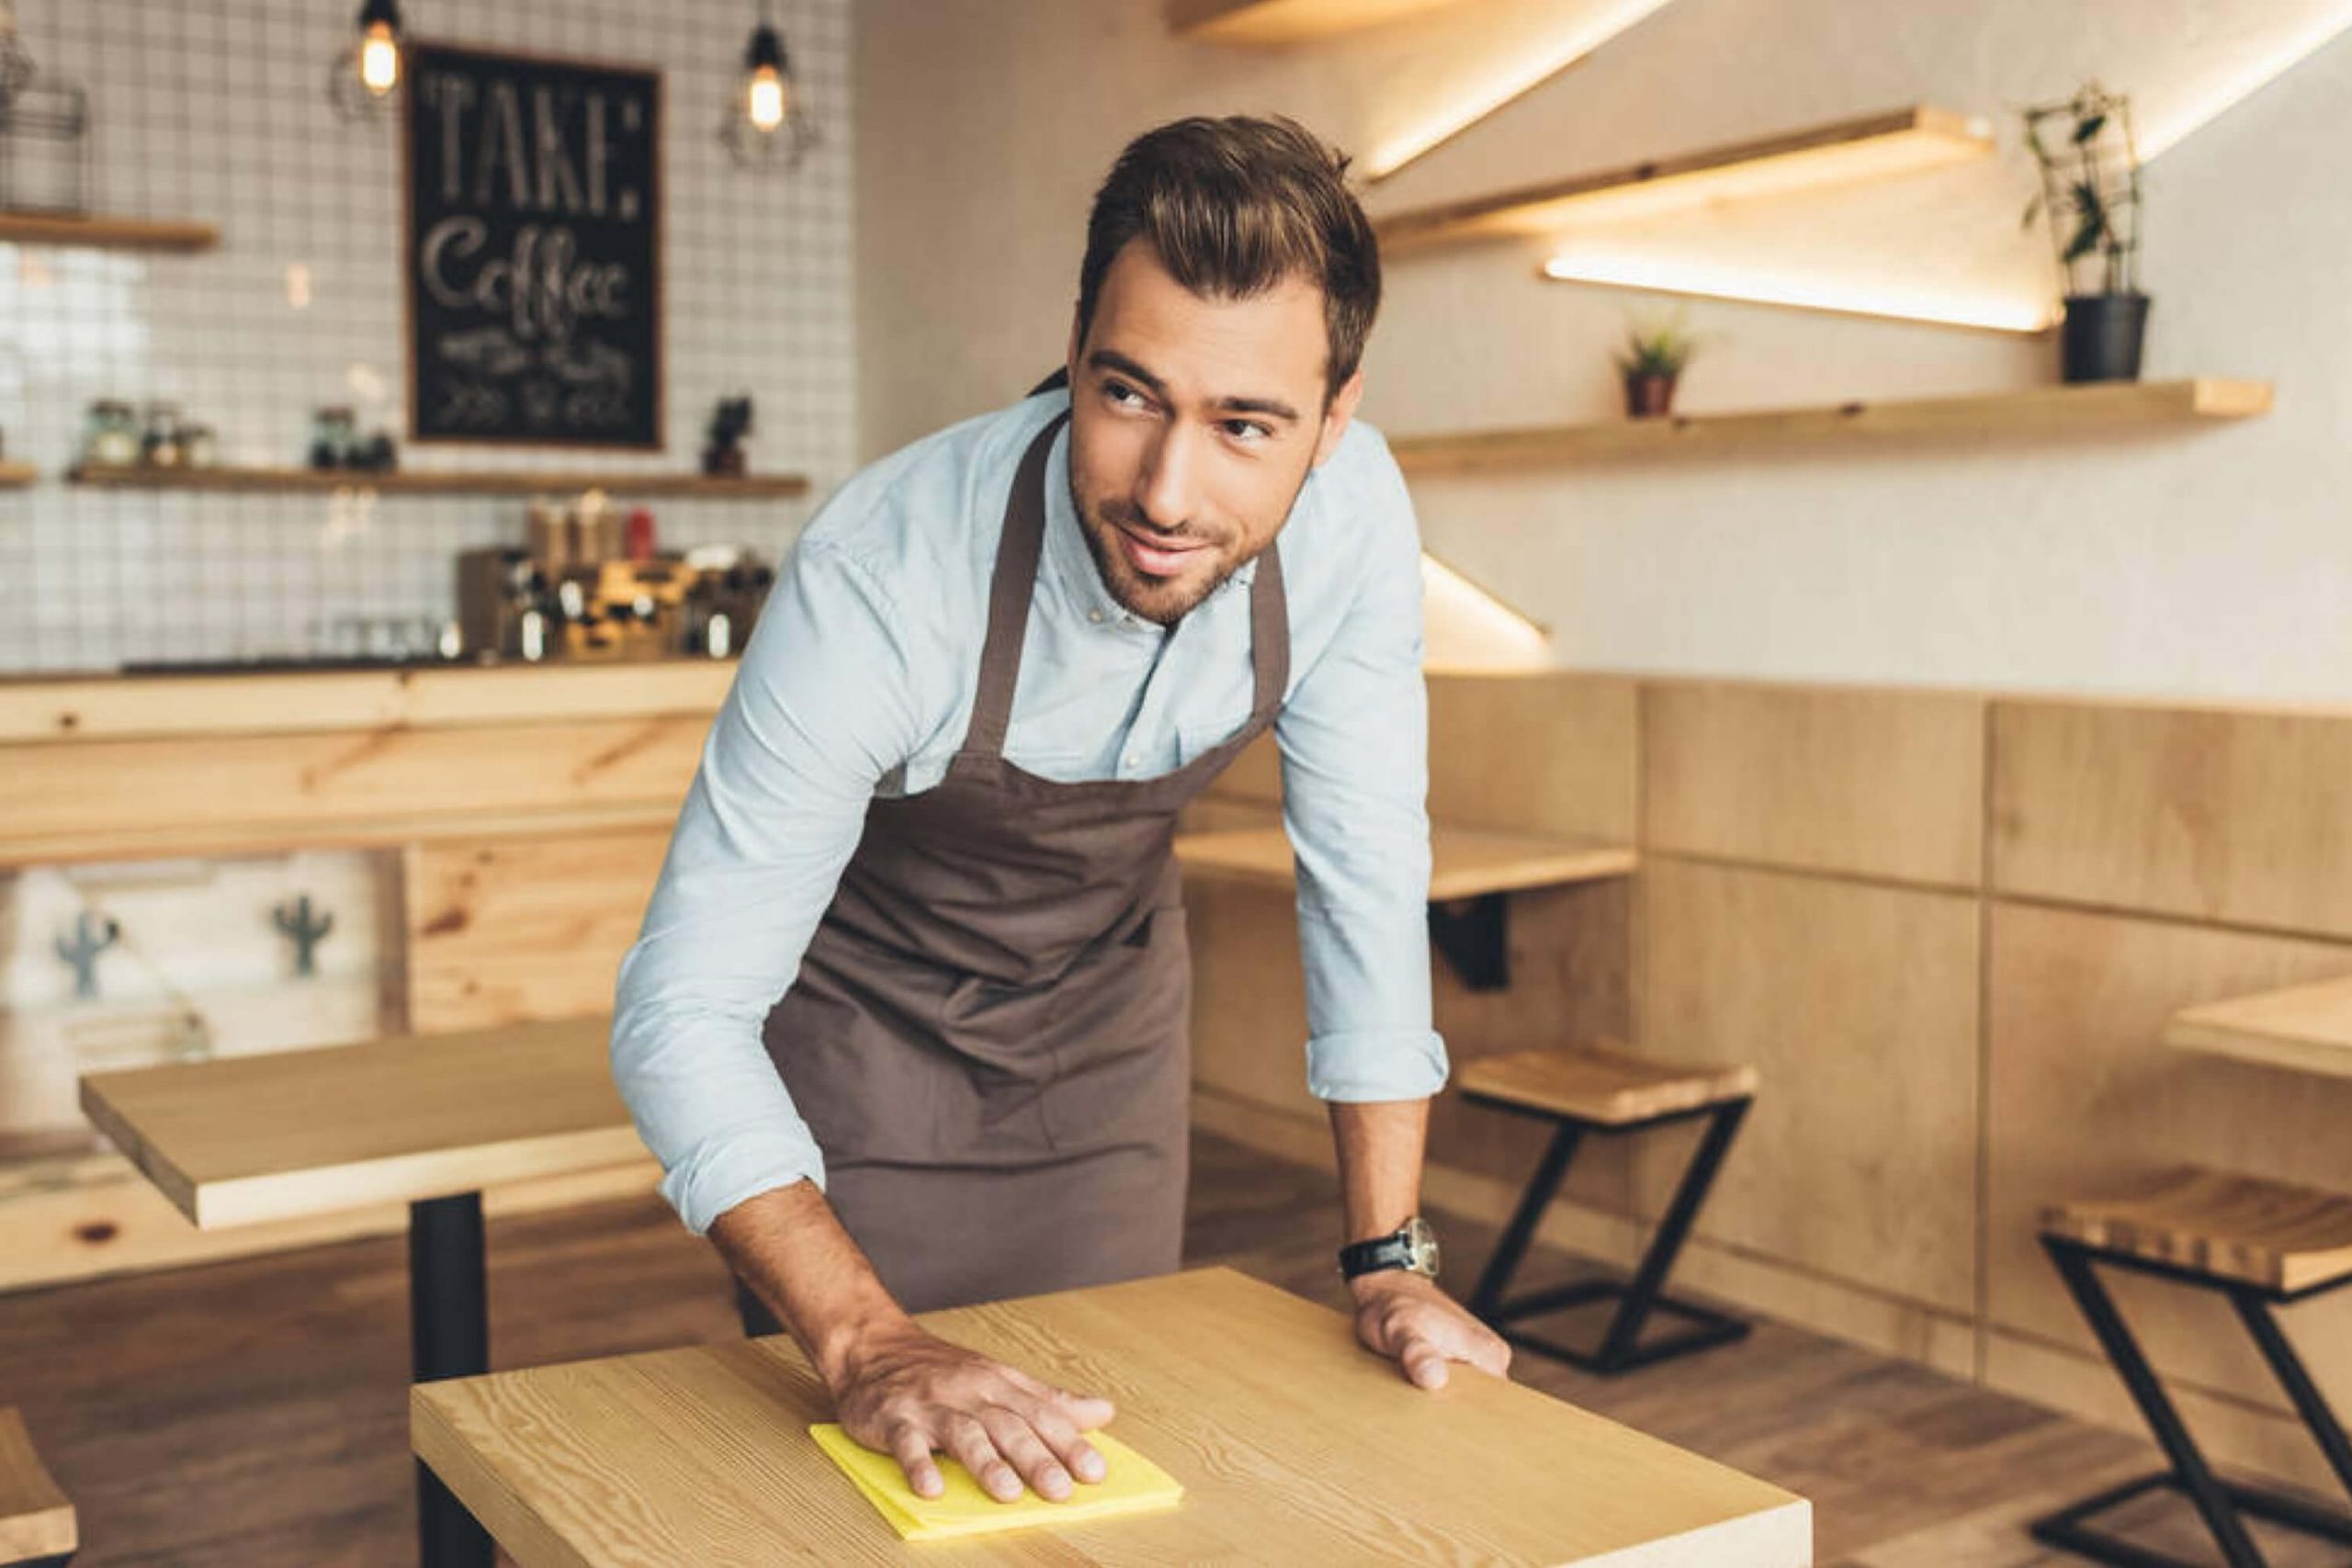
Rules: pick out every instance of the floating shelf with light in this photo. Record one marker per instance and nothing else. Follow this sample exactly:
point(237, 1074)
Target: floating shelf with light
point(1905, 141)
point(1287, 21)
point(2103, 406)
point(16, 476)
point(451, 482)
point(106, 233)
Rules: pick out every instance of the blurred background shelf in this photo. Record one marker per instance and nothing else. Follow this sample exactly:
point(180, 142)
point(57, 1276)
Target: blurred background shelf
point(1285, 21)
point(2109, 405)
point(16, 476)
point(107, 234)
point(1902, 141)
point(451, 482)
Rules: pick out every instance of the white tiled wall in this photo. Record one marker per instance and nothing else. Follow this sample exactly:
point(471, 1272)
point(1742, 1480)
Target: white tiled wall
point(218, 110)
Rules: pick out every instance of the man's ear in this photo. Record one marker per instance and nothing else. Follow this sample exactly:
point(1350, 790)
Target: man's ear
point(1342, 408)
point(1071, 357)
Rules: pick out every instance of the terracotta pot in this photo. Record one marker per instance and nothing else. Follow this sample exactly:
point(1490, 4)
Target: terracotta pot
point(1648, 396)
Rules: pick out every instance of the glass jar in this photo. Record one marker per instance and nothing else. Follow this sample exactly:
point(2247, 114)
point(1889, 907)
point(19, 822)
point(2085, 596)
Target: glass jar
point(332, 431)
point(199, 448)
point(109, 435)
point(161, 446)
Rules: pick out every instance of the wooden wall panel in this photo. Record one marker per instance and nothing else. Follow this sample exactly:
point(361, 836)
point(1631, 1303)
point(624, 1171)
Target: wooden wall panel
point(523, 929)
point(1876, 782)
point(59, 799)
point(1857, 1005)
point(2083, 1093)
point(2243, 817)
point(1553, 752)
point(1569, 982)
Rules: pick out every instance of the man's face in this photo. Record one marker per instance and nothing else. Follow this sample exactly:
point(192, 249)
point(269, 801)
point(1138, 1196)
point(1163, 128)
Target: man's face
point(1193, 425)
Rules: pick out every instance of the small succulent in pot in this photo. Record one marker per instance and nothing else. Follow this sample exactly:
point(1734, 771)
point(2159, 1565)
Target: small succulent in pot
point(1656, 351)
point(2090, 191)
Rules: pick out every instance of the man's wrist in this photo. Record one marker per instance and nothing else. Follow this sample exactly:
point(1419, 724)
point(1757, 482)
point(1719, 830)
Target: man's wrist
point(840, 1347)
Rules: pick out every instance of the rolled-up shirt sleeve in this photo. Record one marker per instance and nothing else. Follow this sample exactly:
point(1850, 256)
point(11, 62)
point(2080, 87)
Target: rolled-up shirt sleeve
point(1354, 742)
point(819, 710)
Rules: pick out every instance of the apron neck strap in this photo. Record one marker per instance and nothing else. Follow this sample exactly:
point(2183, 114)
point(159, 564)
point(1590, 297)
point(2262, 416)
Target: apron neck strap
point(1269, 634)
point(1008, 591)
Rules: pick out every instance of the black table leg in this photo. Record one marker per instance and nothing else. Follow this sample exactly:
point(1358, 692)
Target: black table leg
point(448, 1303)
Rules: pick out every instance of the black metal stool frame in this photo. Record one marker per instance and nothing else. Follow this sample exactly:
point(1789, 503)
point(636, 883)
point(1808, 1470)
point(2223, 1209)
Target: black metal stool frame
point(2218, 1502)
point(1621, 1348)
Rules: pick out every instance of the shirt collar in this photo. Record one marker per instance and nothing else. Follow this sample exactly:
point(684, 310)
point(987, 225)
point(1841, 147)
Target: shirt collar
point(1072, 563)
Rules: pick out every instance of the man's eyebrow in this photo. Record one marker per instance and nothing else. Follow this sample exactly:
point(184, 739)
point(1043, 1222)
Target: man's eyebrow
point(1111, 359)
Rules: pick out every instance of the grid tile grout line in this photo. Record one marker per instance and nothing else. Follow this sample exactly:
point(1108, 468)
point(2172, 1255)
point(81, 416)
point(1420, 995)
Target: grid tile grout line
point(217, 110)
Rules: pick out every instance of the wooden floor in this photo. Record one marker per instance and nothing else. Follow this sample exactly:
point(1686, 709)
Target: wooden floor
point(253, 1413)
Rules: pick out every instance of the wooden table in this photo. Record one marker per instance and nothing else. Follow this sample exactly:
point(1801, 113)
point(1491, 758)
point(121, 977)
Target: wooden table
point(1472, 871)
point(2305, 1028)
point(1295, 1445)
point(425, 1120)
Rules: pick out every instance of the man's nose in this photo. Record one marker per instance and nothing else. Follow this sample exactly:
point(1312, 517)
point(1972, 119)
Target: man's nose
point(1166, 488)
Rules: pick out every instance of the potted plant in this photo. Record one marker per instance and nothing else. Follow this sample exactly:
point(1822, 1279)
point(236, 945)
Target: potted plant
point(1651, 360)
point(2090, 192)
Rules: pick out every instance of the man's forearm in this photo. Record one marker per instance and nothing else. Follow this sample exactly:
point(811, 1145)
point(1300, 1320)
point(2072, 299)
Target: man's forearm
point(1379, 1145)
point(791, 1249)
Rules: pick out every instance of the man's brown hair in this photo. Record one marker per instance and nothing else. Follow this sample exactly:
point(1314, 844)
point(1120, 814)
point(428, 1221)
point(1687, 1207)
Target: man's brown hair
point(1234, 206)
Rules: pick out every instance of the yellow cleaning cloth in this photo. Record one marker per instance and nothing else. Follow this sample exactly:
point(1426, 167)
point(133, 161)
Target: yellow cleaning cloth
point(1131, 1484)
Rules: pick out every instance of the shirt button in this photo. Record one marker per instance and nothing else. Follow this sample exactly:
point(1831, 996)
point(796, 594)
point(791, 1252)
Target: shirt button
point(1132, 759)
point(1094, 615)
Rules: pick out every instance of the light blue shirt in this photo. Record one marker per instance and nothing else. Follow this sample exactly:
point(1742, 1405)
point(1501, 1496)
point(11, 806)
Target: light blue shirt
point(860, 679)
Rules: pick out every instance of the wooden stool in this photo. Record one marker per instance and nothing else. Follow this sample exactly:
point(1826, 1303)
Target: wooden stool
point(37, 1526)
point(1604, 1090)
point(2261, 1243)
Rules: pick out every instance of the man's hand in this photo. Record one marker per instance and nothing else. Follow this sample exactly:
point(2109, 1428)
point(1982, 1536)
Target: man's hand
point(906, 1393)
point(1405, 1318)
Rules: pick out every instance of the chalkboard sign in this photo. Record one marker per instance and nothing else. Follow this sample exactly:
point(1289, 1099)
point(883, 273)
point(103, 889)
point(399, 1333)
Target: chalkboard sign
point(533, 250)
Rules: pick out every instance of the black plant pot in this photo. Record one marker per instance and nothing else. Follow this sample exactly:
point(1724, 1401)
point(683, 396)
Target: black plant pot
point(2103, 334)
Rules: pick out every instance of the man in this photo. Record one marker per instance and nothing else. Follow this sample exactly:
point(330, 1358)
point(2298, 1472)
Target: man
point(937, 807)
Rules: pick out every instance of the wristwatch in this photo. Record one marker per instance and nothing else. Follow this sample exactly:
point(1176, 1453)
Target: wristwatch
point(1412, 1247)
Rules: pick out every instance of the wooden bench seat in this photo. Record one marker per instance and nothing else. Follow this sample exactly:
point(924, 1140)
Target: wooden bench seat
point(2272, 1233)
point(1603, 1084)
point(36, 1523)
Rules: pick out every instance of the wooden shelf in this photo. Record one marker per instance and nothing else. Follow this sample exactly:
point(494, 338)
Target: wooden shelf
point(443, 481)
point(1903, 141)
point(107, 234)
point(2304, 1028)
point(1465, 862)
point(1285, 21)
point(2111, 405)
point(16, 476)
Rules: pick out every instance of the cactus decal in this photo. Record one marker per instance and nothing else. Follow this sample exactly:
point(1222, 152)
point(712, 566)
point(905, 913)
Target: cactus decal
point(93, 934)
point(306, 932)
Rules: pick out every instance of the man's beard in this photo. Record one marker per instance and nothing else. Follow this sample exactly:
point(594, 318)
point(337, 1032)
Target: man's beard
point(1161, 599)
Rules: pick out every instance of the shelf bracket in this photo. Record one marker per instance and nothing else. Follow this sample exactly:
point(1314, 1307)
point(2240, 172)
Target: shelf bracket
point(1474, 935)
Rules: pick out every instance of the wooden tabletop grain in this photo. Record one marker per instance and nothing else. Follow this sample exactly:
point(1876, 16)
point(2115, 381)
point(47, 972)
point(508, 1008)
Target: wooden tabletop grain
point(1296, 1446)
point(2306, 1028)
point(237, 1140)
point(1465, 862)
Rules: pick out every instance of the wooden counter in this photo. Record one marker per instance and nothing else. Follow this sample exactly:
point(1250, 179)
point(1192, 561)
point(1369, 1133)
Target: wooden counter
point(99, 768)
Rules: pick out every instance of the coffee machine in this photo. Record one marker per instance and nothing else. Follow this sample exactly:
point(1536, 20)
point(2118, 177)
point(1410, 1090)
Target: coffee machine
point(577, 592)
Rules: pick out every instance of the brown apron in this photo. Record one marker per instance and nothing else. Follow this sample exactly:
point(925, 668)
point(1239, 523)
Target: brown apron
point(989, 1034)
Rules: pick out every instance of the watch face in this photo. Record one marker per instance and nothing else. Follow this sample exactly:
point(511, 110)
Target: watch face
point(1423, 1242)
